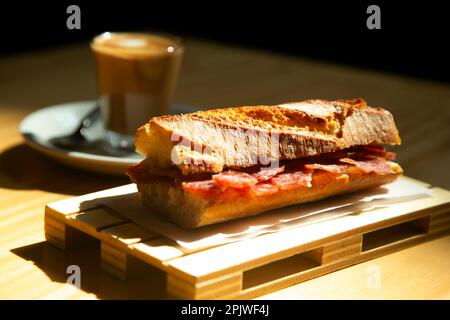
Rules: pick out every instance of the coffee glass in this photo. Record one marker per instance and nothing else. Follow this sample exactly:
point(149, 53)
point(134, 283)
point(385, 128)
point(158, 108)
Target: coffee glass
point(136, 75)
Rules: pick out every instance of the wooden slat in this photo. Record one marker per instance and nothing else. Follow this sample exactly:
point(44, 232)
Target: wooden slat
point(126, 234)
point(114, 271)
point(114, 261)
point(83, 203)
point(341, 244)
point(352, 251)
point(54, 223)
point(98, 218)
point(339, 251)
point(115, 246)
point(92, 221)
point(55, 233)
point(440, 230)
point(113, 251)
point(439, 222)
point(158, 251)
point(215, 288)
point(56, 241)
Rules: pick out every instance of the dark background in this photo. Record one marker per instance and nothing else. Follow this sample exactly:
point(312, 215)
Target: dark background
point(413, 39)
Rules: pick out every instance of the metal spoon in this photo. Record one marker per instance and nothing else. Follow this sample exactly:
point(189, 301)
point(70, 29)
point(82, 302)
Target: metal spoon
point(77, 137)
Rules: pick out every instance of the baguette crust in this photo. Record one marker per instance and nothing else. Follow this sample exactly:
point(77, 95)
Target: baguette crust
point(189, 210)
point(211, 141)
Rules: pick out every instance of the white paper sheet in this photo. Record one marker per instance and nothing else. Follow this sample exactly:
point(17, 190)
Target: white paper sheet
point(130, 206)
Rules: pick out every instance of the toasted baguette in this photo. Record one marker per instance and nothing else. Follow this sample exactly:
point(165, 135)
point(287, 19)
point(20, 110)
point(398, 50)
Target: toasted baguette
point(190, 210)
point(303, 129)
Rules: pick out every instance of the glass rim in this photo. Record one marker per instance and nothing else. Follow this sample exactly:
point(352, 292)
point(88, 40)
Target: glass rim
point(176, 42)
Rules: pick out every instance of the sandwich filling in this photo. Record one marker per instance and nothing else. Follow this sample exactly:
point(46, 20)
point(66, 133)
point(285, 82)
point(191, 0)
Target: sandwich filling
point(290, 174)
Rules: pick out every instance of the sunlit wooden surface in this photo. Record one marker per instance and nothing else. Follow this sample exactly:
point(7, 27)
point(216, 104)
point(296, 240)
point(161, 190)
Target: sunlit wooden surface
point(212, 75)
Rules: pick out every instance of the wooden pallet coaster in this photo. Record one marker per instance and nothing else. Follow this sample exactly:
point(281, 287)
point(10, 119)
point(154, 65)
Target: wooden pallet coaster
point(251, 267)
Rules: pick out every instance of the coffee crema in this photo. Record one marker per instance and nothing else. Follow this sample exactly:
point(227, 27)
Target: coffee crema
point(135, 45)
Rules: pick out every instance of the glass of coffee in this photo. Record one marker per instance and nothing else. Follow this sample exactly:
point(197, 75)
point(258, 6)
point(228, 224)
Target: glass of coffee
point(136, 74)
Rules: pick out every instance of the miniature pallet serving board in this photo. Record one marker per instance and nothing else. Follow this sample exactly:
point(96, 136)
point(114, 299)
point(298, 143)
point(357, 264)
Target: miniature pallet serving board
point(256, 266)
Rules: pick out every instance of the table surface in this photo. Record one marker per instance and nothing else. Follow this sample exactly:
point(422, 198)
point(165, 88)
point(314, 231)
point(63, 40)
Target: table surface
point(213, 75)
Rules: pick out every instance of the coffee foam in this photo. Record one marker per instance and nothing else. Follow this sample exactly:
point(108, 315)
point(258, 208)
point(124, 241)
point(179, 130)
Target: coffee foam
point(133, 44)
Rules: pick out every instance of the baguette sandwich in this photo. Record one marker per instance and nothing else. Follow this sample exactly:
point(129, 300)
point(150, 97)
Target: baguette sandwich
point(212, 166)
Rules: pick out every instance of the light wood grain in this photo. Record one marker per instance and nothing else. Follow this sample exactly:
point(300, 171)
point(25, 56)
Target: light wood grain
point(212, 75)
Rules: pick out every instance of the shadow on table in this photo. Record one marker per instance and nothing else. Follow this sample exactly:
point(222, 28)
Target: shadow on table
point(23, 168)
point(145, 283)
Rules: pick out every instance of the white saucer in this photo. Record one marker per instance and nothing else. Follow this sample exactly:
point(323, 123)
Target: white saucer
point(39, 127)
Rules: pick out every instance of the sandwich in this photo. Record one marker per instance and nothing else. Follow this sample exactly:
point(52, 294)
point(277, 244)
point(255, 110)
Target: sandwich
point(212, 166)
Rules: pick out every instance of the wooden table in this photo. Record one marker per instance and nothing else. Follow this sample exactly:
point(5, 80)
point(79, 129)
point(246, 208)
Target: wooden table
point(212, 75)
